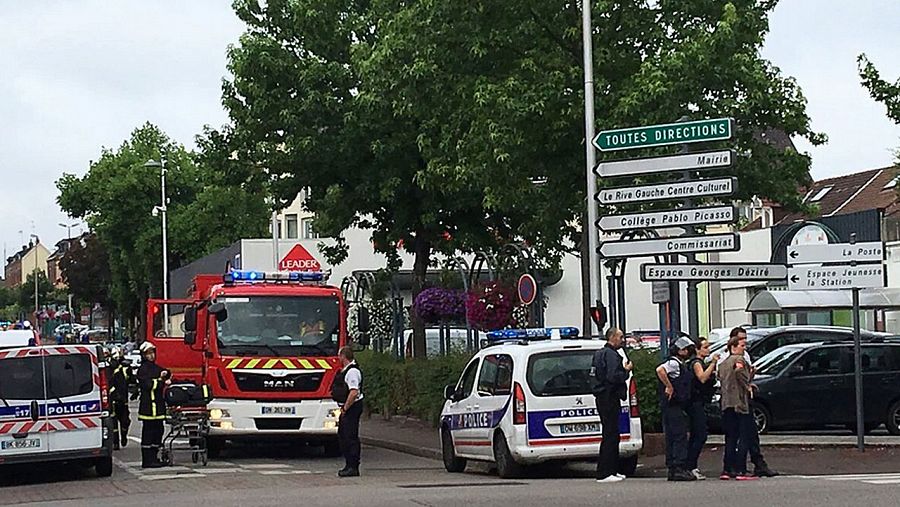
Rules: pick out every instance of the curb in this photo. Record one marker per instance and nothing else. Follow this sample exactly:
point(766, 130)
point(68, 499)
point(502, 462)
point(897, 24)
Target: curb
point(414, 450)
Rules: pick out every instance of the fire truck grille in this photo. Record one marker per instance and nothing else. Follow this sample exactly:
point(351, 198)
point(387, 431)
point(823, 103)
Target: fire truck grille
point(263, 382)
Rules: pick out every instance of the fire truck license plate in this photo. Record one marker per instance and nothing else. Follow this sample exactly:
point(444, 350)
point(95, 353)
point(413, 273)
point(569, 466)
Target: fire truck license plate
point(279, 411)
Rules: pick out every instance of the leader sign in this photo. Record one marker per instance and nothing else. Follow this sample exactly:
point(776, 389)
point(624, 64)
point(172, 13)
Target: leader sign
point(299, 259)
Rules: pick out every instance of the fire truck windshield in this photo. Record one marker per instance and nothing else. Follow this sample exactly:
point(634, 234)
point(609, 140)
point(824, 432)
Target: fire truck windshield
point(279, 326)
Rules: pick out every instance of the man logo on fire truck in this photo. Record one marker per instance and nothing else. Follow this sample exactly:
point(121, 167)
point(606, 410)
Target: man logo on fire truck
point(299, 259)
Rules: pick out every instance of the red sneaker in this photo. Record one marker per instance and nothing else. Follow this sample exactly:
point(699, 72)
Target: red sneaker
point(747, 477)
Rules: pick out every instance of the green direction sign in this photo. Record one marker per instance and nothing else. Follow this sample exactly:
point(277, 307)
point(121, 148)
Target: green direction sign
point(662, 135)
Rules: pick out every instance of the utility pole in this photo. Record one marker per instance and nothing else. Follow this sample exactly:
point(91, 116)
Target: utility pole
point(162, 210)
point(594, 289)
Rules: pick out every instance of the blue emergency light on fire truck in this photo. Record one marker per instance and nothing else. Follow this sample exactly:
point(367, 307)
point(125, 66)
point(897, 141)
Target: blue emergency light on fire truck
point(273, 276)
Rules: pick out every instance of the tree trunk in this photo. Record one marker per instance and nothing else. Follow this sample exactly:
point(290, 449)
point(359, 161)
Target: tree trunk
point(422, 251)
point(587, 325)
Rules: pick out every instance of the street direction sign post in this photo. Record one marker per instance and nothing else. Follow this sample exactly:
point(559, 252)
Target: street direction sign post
point(715, 187)
point(678, 245)
point(871, 251)
point(862, 276)
point(662, 135)
point(719, 272)
point(668, 218)
point(674, 163)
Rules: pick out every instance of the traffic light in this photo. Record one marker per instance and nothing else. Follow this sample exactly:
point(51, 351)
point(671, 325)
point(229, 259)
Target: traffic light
point(598, 315)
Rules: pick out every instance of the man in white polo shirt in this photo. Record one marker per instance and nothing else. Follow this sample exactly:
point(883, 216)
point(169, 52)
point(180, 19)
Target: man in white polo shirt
point(347, 390)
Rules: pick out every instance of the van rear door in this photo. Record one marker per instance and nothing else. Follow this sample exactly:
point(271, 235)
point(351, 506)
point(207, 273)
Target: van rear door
point(74, 410)
point(22, 403)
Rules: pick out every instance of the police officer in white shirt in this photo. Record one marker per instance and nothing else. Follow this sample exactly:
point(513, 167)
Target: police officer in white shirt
point(347, 390)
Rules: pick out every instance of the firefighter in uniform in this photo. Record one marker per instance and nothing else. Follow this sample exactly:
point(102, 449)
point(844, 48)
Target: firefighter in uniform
point(118, 395)
point(152, 410)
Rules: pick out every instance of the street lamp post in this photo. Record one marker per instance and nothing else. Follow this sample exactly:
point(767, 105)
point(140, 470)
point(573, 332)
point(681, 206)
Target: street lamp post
point(161, 210)
point(35, 275)
point(68, 228)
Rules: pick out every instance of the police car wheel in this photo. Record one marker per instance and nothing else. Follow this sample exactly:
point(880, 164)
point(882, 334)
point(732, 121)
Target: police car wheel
point(893, 421)
point(452, 462)
point(104, 466)
point(628, 465)
point(507, 468)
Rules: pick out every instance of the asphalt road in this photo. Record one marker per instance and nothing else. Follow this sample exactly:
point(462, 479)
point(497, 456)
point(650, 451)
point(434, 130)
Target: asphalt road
point(285, 475)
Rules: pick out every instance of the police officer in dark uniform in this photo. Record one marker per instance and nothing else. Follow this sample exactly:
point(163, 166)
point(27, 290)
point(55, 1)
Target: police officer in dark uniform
point(152, 409)
point(347, 390)
point(676, 383)
point(118, 395)
point(610, 388)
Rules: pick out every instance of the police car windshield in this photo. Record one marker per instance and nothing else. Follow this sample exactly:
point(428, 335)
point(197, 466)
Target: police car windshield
point(273, 325)
point(564, 373)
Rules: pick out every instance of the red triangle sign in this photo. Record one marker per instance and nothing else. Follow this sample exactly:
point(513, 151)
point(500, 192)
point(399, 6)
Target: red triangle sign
point(299, 259)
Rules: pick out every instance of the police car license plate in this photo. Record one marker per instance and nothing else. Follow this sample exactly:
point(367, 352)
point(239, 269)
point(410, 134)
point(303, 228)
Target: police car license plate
point(25, 443)
point(579, 428)
point(279, 411)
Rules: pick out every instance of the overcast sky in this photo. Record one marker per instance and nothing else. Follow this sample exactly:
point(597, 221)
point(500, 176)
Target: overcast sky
point(79, 75)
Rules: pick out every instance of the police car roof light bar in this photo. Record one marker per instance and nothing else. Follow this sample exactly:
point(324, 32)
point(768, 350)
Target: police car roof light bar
point(537, 333)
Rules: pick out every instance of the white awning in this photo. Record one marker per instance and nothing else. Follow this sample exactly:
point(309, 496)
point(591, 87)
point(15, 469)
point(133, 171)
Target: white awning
point(781, 301)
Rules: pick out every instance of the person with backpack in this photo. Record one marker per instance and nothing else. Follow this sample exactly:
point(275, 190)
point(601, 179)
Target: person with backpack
point(703, 387)
point(675, 381)
point(347, 391)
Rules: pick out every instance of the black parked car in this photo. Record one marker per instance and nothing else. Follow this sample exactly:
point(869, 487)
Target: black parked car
point(811, 385)
point(761, 341)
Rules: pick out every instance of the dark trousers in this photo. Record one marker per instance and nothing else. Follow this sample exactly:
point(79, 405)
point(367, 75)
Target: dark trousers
point(735, 441)
point(348, 434)
point(609, 410)
point(699, 432)
point(121, 421)
point(756, 455)
point(151, 440)
point(675, 427)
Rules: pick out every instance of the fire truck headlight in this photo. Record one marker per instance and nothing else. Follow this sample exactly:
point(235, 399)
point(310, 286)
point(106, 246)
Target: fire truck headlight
point(219, 413)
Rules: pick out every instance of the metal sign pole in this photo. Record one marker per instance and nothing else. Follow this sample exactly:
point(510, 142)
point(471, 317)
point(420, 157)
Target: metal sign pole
point(857, 368)
point(595, 277)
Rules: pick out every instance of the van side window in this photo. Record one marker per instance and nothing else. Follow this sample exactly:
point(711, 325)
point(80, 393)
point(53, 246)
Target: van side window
point(495, 378)
point(22, 379)
point(69, 375)
point(467, 381)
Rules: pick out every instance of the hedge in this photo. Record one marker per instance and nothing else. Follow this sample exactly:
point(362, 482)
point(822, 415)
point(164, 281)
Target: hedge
point(415, 387)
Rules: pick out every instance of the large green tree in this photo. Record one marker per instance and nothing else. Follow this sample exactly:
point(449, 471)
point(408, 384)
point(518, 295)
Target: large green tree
point(418, 119)
point(211, 203)
point(881, 89)
point(85, 270)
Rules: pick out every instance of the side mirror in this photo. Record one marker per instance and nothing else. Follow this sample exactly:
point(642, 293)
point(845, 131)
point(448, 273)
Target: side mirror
point(362, 319)
point(190, 337)
point(218, 309)
point(190, 319)
point(449, 392)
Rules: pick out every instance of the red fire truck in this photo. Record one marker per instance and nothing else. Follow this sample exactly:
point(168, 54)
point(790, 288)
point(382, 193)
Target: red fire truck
point(266, 344)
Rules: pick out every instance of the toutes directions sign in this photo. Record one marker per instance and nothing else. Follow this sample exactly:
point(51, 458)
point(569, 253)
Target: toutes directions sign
point(662, 135)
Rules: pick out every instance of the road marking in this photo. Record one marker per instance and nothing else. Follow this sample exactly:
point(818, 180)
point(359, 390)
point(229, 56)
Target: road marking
point(265, 466)
point(221, 470)
point(850, 476)
point(167, 469)
point(170, 476)
point(886, 481)
point(134, 439)
point(288, 472)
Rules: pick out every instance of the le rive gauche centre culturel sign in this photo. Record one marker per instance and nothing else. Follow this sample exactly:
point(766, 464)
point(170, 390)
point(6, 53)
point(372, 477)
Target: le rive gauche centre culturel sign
point(668, 191)
point(668, 218)
point(661, 135)
point(719, 272)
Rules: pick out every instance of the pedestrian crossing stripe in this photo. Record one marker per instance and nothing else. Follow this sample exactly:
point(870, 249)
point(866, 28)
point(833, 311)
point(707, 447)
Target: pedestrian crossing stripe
point(288, 363)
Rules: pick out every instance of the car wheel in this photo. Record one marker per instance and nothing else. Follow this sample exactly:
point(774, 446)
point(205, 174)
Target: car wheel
point(507, 467)
point(452, 462)
point(628, 465)
point(104, 466)
point(762, 418)
point(893, 419)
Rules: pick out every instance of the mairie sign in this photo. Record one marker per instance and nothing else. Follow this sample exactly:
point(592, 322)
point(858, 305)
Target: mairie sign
point(662, 135)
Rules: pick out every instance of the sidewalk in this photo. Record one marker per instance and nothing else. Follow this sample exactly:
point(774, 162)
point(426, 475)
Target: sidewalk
point(790, 454)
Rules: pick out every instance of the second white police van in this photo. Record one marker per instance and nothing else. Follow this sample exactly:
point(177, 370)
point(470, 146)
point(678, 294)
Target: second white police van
point(526, 398)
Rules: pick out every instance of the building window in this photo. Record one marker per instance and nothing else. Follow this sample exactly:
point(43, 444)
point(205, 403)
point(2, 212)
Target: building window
point(291, 221)
point(308, 232)
point(278, 223)
point(820, 194)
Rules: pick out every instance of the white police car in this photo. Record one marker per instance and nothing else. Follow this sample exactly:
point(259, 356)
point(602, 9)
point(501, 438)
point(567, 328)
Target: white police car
point(526, 398)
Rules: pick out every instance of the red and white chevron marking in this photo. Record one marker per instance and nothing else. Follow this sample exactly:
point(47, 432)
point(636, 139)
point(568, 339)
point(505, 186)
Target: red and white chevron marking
point(68, 424)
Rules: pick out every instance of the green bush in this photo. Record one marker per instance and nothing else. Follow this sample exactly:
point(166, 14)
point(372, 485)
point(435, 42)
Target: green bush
point(645, 362)
point(413, 388)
